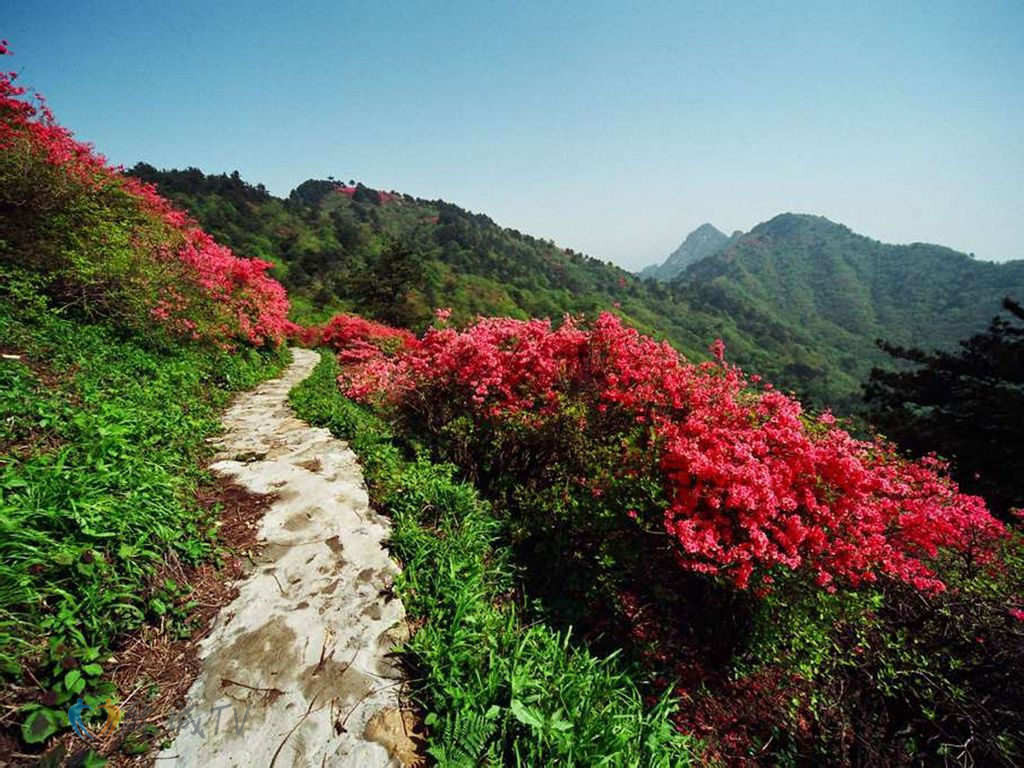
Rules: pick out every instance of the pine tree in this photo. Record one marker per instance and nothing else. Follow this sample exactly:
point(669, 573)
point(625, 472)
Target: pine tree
point(966, 405)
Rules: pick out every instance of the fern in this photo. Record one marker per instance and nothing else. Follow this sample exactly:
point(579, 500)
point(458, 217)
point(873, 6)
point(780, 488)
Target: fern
point(465, 739)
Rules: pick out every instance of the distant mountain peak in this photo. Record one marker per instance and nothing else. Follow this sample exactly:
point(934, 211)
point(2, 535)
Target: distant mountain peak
point(705, 228)
point(706, 240)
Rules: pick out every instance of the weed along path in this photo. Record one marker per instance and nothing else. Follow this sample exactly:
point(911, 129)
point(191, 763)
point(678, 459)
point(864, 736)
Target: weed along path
point(296, 671)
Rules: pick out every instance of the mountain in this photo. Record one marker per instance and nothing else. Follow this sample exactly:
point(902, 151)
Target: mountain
point(704, 241)
point(836, 292)
point(799, 299)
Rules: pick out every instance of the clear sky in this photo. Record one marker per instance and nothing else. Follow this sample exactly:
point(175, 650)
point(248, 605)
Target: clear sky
point(612, 128)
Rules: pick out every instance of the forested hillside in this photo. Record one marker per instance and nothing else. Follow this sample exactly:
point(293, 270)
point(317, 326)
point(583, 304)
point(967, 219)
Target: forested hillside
point(346, 247)
point(391, 255)
point(838, 292)
point(799, 300)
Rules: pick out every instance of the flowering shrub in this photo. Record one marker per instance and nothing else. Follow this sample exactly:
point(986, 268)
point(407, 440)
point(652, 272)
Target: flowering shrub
point(357, 339)
point(752, 483)
point(112, 243)
point(256, 305)
point(616, 461)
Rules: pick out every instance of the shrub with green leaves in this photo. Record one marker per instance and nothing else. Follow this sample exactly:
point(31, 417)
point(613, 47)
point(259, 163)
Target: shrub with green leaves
point(895, 677)
point(112, 247)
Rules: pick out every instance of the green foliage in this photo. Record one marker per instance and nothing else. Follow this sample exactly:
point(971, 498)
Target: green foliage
point(170, 602)
point(966, 405)
point(90, 246)
point(39, 726)
point(892, 675)
point(398, 261)
point(497, 691)
point(465, 742)
point(102, 443)
point(812, 297)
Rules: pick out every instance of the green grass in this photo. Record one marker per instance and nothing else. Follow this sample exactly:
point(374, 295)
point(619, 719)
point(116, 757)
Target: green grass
point(101, 449)
point(497, 692)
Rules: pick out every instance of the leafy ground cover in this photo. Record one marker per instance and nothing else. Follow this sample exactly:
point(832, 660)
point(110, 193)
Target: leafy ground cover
point(496, 690)
point(102, 443)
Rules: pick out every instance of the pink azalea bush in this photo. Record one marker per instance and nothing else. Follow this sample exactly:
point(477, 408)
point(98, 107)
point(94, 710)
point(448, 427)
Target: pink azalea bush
point(125, 248)
point(356, 339)
point(752, 482)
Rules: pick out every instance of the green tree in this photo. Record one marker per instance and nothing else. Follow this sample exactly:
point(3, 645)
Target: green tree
point(385, 288)
point(966, 405)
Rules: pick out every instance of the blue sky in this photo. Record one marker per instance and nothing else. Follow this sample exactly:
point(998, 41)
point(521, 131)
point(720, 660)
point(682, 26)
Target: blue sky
point(609, 128)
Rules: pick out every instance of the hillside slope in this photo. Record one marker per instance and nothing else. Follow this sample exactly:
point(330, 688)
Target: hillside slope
point(392, 255)
point(124, 330)
point(840, 291)
point(395, 258)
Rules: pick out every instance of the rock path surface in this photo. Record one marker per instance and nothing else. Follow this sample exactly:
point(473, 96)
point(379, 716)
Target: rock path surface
point(296, 671)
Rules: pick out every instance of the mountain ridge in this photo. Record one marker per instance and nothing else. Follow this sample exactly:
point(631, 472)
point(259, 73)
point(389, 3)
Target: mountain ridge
point(844, 290)
point(799, 299)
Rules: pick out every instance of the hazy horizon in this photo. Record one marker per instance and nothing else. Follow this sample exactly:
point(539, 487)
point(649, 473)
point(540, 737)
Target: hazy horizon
point(608, 130)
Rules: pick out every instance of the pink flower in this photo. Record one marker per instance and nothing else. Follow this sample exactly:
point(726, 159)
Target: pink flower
point(718, 350)
point(198, 288)
point(749, 486)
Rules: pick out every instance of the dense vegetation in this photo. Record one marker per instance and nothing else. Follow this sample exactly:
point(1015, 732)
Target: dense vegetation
point(799, 299)
point(103, 446)
point(394, 257)
point(645, 499)
point(967, 405)
point(107, 246)
point(499, 691)
point(825, 294)
point(124, 329)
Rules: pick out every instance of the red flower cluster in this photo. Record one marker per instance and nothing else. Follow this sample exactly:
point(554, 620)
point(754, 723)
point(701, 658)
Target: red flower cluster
point(20, 117)
point(257, 305)
point(753, 482)
point(500, 367)
point(239, 301)
point(357, 339)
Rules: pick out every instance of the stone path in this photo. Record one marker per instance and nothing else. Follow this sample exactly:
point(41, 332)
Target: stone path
point(295, 671)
